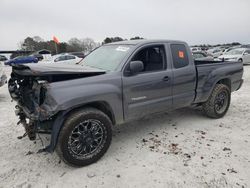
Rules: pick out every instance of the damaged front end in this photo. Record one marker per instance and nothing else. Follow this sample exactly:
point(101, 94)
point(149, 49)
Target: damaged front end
point(34, 105)
point(31, 87)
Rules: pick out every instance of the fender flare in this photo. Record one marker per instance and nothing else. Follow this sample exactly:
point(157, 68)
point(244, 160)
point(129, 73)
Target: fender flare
point(58, 124)
point(214, 83)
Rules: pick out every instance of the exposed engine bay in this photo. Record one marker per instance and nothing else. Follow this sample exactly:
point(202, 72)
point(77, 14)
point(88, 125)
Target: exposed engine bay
point(29, 86)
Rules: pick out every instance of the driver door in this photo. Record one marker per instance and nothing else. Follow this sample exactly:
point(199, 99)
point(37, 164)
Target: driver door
point(148, 91)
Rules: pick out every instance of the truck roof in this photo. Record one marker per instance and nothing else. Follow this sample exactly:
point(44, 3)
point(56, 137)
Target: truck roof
point(144, 41)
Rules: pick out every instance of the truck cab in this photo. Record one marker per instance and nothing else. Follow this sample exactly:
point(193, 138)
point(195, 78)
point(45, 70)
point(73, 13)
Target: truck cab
point(161, 84)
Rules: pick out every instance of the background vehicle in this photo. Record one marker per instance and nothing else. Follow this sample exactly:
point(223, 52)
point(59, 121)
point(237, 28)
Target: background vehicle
point(238, 54)
point(215, 52)
point(3, 58)
point(116, 83)
point(245, 46)
point(231, 48)
point(78, 54)
point(195, 49)
point(22, 60)
point(66, 59)
point(38, 56)
point(202, 56)
point(3, 77)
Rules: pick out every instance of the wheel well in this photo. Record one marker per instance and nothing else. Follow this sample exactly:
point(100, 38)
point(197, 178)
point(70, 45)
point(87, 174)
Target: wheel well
point(226, 82)
point(105, 108)
point(100, 105)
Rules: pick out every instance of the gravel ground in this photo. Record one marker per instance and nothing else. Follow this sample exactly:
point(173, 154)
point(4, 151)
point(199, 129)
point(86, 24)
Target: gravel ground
point(178, 149)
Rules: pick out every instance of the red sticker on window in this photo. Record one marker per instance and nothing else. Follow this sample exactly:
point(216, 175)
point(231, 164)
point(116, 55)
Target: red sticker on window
point(181, 54)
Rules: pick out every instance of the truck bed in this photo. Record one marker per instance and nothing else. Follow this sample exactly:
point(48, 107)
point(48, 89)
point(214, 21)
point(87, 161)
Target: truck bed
point(209, 72)
point(197, 62)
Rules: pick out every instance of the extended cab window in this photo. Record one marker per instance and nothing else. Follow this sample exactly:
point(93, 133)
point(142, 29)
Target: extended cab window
point(153, 58)
point(179, 54)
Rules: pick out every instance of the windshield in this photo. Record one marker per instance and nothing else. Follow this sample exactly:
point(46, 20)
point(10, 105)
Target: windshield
point(236, 52)
point(106, 57)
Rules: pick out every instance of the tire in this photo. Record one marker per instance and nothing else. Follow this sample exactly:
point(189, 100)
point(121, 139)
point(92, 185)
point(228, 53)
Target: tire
point(82, 131)
point(240, 60)
point(216, 106)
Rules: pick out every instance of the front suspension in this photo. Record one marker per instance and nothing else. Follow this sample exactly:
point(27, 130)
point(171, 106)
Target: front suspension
point(30, 128)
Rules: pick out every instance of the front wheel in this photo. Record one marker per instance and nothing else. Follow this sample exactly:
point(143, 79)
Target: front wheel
point(85, 137)
point(218, 103)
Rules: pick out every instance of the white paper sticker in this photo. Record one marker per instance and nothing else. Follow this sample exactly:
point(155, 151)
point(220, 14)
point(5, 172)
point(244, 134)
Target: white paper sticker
point(122, 48)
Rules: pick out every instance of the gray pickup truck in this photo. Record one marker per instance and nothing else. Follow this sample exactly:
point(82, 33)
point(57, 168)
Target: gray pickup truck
point(118, 82)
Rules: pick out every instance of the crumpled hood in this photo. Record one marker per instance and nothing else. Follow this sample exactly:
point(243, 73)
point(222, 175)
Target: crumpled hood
point(42, 69)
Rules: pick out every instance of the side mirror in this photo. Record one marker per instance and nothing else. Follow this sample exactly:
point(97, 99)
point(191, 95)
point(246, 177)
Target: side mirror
point(246, 53)
point(136, 66)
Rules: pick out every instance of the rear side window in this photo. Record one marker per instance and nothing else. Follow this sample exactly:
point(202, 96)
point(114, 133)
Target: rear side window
point(179, 55)
point(69, 57)
point(61, 58)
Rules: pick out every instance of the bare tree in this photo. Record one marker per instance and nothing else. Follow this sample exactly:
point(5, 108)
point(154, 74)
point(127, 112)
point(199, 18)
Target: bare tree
point(75, 45)
point(38, 39)
point(88, 45)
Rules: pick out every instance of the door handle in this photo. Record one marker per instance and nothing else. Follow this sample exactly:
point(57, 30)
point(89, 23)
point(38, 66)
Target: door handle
point(166, 78)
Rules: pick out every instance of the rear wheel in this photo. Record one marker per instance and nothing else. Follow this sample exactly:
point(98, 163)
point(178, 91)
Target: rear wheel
point(218, 103)
point(85, 137)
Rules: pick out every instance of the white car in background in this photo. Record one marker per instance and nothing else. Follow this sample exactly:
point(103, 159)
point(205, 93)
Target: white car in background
point(202, 56)
point(195, 49)
point(66, 58)
point(215, 52)
point(238, 54)
point(3, 77)
point(231, 48)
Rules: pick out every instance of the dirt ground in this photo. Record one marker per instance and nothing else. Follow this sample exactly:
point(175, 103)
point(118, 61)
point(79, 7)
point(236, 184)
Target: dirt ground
point(178, 149)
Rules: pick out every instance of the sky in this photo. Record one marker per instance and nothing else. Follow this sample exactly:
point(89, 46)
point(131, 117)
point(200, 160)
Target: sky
point(193, 21)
